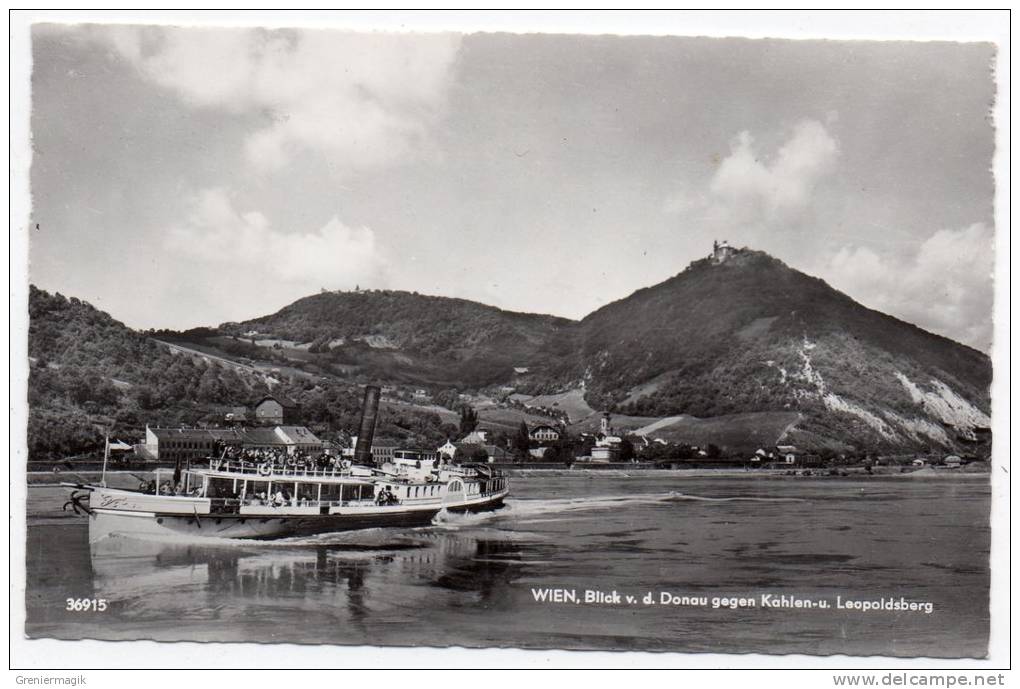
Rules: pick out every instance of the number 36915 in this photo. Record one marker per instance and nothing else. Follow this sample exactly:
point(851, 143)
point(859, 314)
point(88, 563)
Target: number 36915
point(87, 604)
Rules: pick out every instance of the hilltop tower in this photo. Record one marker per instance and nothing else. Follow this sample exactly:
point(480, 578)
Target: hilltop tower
point(721, 251)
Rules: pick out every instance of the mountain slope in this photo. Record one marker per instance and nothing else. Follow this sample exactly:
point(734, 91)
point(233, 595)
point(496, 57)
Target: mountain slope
point(752, 334)
point(437, 340)
point(90, 374)
point(747, 339)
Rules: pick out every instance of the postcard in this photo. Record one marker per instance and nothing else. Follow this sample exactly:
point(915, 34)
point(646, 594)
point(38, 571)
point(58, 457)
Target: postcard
point(506, 339)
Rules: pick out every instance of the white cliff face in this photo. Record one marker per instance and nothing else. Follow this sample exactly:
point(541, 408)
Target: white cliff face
point(919, 429)
point(944, 404)
point(940, 406)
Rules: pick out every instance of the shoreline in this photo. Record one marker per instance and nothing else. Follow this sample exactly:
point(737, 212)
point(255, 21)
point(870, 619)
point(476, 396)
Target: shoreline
point(131, 478)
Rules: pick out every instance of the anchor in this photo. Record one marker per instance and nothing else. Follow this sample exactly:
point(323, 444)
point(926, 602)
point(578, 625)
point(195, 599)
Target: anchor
point(76, 503)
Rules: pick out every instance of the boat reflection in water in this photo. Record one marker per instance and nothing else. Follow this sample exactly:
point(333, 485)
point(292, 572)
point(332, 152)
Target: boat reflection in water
point(339, 588)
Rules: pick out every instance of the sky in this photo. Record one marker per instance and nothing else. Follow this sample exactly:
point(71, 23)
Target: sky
point(191, 176)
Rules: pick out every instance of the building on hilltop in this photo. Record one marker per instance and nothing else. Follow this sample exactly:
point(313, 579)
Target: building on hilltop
point(721, 252)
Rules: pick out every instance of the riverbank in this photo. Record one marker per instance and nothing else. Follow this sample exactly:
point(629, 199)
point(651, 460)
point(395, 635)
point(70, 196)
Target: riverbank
point(131, 479)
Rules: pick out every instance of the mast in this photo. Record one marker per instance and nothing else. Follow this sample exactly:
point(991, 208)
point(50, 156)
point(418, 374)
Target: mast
point(106, 456)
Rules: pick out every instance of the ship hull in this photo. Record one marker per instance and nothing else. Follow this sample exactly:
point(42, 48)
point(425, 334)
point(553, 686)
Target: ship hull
point(106, 523)
point(494, 502)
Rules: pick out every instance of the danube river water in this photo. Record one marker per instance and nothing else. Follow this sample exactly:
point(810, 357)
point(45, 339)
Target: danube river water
point(519, 577)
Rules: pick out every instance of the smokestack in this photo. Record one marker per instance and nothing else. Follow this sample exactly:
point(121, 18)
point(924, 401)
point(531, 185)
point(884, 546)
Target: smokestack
point(366, 431)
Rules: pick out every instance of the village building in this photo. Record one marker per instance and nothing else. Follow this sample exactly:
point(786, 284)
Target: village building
point(273, 411)
point(607, 443)
point(791, 456)
point(479, 436)
point(544, 433)
point(447, 449)
point(494, 453)
point(299, 439)
point(290, 439)
point(262, 439)
point(236, 415)
point(787, 454)
point(381, 453)
point(172, 444)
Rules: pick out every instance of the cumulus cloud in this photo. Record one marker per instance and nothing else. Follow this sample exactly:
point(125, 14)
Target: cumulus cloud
point(361, 99)
point(333, 256)
point(743, 179)
point(750, 191)
point(946, 286)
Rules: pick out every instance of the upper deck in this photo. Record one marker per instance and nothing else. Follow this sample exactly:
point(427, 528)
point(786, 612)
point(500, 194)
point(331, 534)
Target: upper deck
point(241, 469)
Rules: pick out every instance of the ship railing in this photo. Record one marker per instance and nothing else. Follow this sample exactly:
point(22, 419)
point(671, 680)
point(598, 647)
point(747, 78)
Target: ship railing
point(251, 501)
point(268, 469)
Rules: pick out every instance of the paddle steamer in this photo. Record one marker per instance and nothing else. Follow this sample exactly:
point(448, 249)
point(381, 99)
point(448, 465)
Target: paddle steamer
point(239, 499)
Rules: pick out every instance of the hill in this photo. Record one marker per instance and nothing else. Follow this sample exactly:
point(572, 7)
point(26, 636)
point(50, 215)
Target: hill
point(743, 350)
point(750, 334)
point(90, 374)
point(406, 336)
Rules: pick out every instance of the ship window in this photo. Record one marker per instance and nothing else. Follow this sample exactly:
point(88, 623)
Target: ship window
point(220, 488)
point(308, 491)
point(358, 492)
point(253, 487)
point(331, 492)
point(192, 481)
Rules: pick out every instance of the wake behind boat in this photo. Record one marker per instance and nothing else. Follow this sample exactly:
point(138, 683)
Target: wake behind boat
point(237, 498)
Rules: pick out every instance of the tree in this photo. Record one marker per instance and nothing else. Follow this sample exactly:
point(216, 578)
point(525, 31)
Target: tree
point(447, 398)
point(713, 451)
point(522, 441)
point(626, 450)
point(468, 419)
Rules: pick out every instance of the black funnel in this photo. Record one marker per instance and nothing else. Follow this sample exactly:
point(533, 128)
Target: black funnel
point(366, 431)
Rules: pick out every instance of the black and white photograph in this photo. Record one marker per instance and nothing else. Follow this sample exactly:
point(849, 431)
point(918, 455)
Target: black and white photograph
point(577, 341)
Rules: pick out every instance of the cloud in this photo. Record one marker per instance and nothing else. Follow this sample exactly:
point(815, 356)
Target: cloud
point(946, 286)
point(362, 99)
point(749, 188)
point(217, 234)
point(748, 191)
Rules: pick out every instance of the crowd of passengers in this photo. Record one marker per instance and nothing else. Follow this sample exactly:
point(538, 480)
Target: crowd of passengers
point(279, 458)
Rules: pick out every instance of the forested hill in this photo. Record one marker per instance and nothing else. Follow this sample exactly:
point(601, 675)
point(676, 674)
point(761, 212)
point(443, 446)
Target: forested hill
point(740, 334)
point(752, 334)
point(434, 339)
point(90, 374)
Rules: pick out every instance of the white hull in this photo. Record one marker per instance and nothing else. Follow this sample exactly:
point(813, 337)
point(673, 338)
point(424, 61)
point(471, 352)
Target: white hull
point(123, 513)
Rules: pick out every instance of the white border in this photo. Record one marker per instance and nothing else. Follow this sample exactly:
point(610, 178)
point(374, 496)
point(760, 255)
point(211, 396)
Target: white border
point(903, 25)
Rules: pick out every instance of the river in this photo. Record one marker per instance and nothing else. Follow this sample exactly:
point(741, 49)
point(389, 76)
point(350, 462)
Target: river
point(518, 577)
